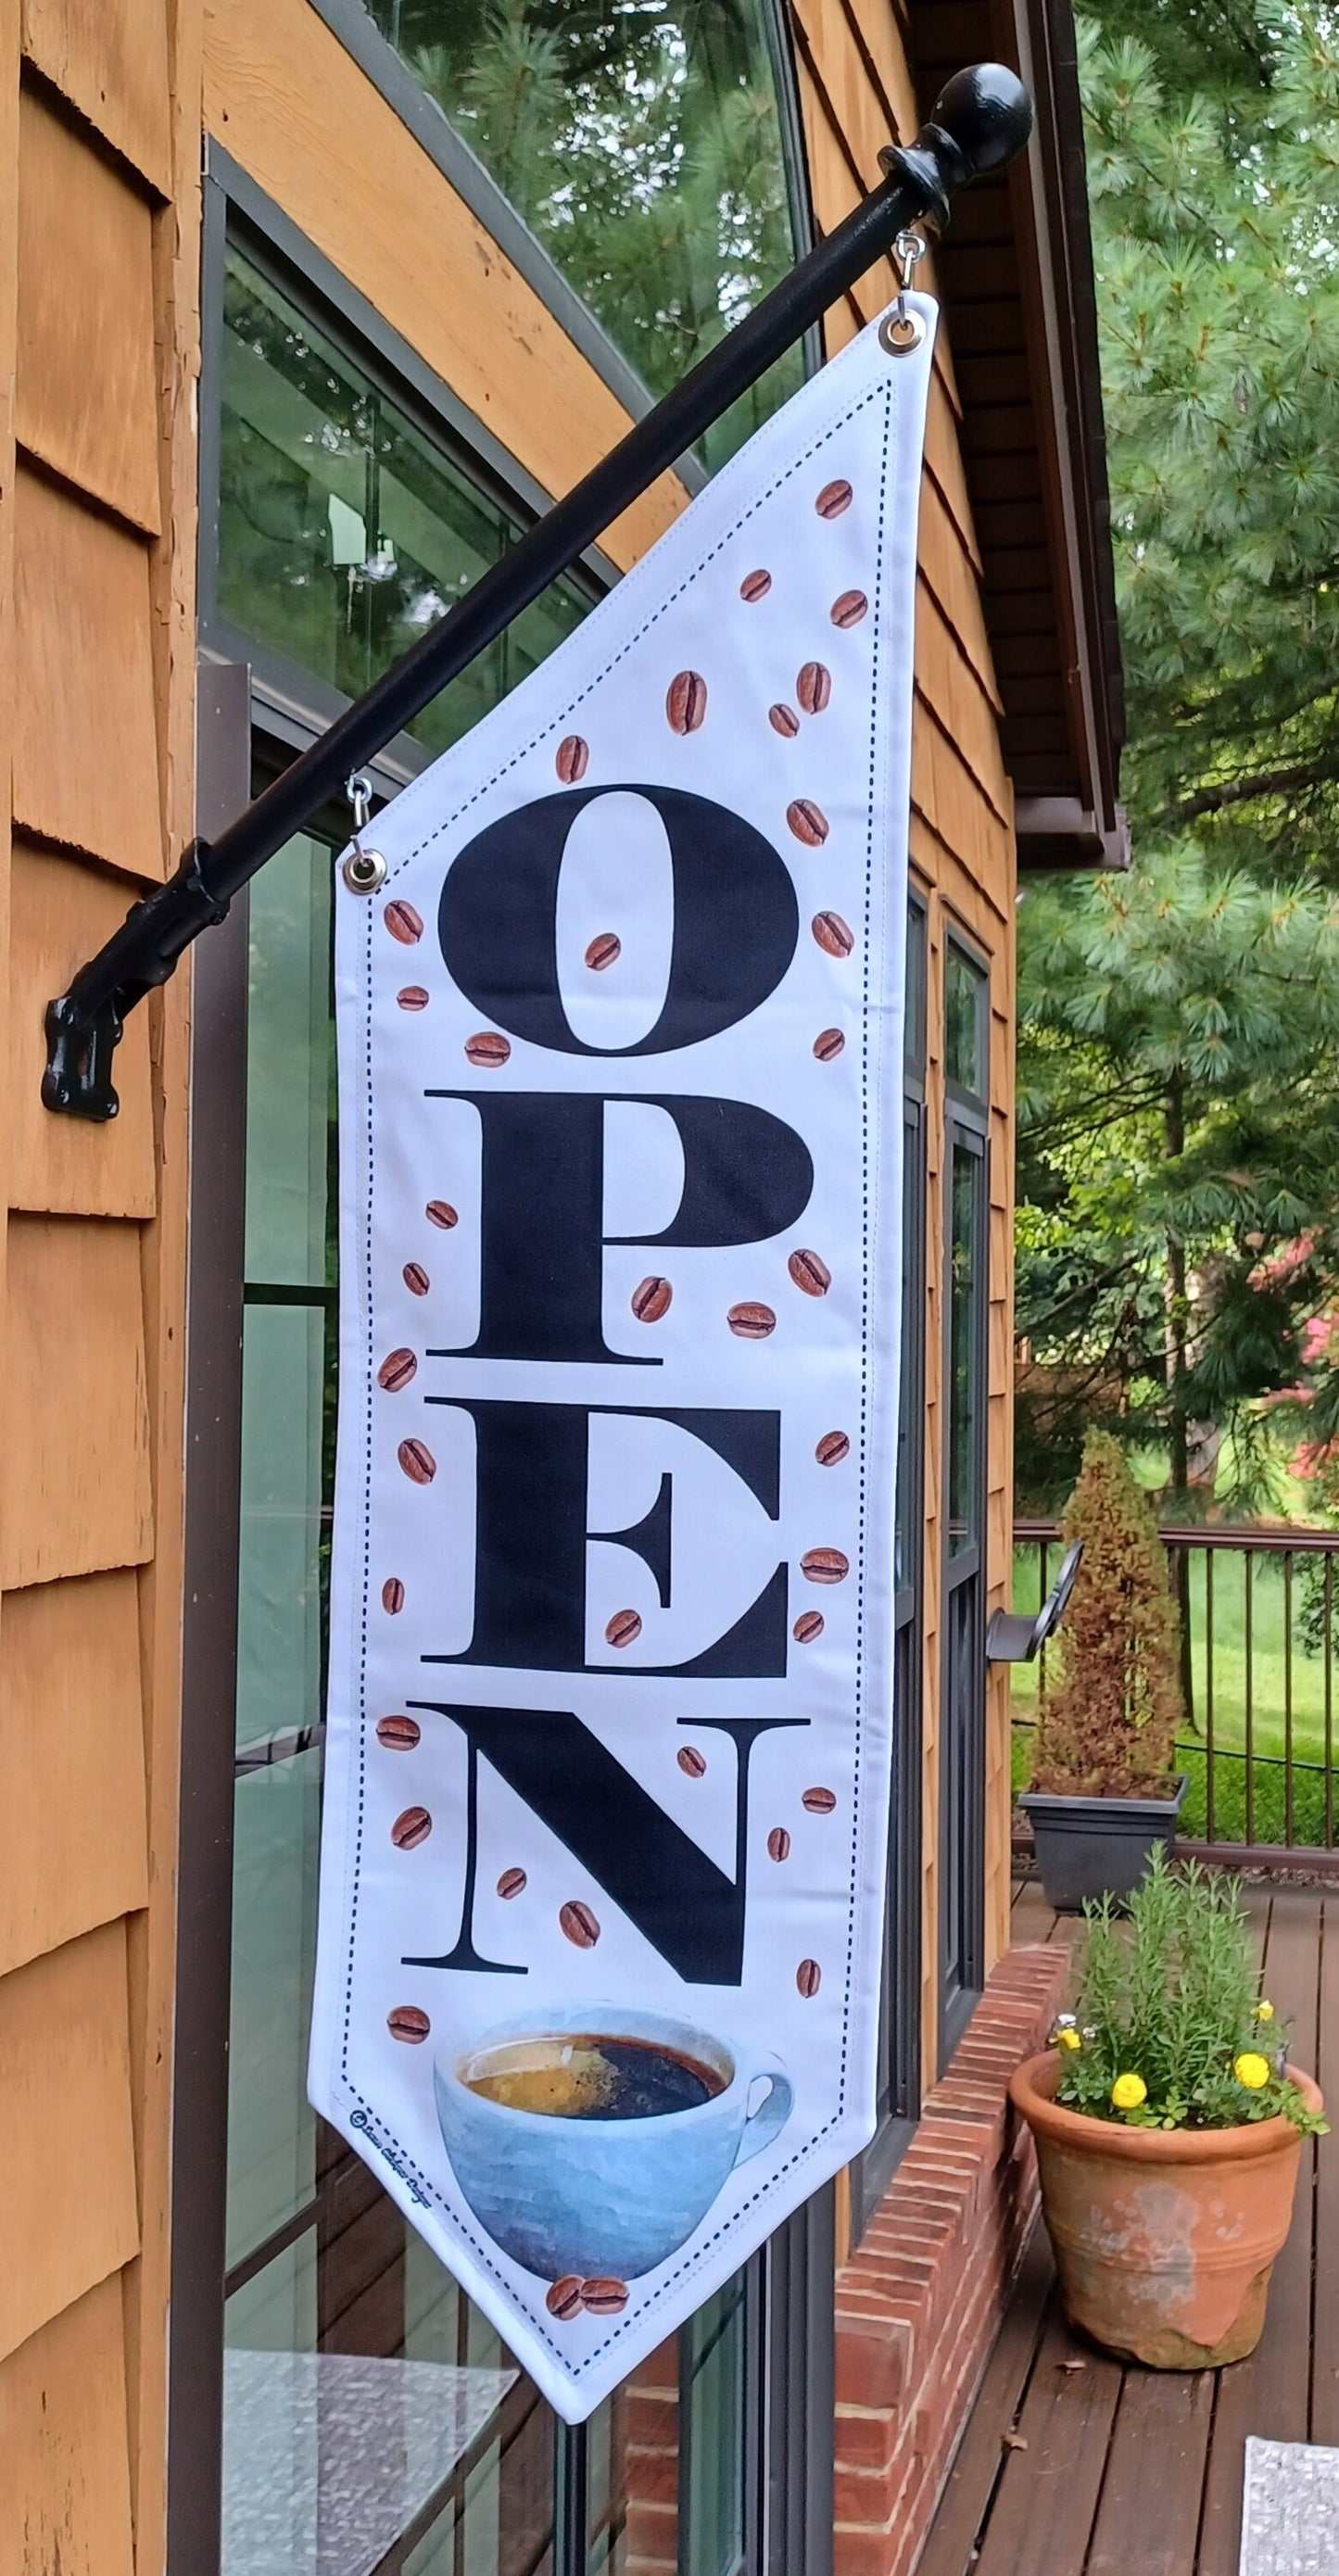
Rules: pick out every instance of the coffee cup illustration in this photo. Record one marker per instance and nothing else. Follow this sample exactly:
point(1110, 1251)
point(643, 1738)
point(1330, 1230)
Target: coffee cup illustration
point(590, 2139)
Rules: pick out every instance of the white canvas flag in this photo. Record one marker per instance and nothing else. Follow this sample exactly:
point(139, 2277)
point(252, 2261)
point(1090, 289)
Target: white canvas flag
point(608, 1750)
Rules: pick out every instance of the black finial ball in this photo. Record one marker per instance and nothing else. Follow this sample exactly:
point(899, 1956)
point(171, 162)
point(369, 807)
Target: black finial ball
point(988, 114)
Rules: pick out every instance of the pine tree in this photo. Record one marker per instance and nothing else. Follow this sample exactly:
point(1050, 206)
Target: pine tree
point(1109, 1728)
point(1179, 1042)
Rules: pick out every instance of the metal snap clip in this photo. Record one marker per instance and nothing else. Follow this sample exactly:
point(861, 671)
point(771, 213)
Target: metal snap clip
point(902, 330)
point(363, 870)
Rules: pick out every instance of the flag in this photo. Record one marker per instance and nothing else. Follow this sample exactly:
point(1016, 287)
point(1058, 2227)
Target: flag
point(608, 1749)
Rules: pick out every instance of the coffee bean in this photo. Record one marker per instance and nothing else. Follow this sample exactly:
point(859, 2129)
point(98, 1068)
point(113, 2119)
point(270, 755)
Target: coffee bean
point(810, 1273)
point(511, 1882)
point(403, 922)
point(392, 1594)
point(824, 1565)
point(827, 1044)
point(686, 702)
point(755, 585)
point(488, 1047)
point(440, 1212)
point(579, 1924)
point(604, 2298)
point(783, 720)
point(564, 2299)
point(417, 1461)
point(570, 759)
point(396, 1371)
point(831, 932)
point(752, 1322)
point(412, 997)
point(411, 1829)
point(408, 2023)
point(833, 499)
point(691, 1761)
point(808, 822)
point(832, 1448)
point(813, 688)
point(778, 1843)
point(398, 1734)
point(850, 608)
point(818, 1802)
point(624, 1628)
point(808, 1977)
point(416, 1279)
point(808, 1627)
point(603, 951)
point(652, 1300)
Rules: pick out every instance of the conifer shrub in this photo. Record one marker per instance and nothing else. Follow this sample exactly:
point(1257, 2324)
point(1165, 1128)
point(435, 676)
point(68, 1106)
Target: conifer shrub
point(1109, 1719)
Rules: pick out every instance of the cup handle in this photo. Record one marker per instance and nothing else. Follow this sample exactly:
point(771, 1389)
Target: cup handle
point(772, 2113)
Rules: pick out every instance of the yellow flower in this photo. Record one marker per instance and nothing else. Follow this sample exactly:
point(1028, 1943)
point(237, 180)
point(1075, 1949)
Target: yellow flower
point(1129, 2091)
point(1264, 2012)
point(1251, 2070)
point(1068, 2039)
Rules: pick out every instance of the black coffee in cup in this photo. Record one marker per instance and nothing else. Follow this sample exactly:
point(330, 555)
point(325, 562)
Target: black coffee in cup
point(590, 2076)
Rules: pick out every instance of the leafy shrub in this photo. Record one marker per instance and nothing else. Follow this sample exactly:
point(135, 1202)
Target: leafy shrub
point(1109, 1728)
point(1169, 2030)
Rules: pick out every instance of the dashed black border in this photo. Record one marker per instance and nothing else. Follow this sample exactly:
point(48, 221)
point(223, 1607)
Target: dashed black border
point(381, 2136)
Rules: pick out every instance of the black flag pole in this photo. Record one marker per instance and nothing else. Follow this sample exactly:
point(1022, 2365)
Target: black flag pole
point(979, 121)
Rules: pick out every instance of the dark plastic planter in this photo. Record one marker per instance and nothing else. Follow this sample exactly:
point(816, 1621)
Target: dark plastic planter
point(1095, 1847)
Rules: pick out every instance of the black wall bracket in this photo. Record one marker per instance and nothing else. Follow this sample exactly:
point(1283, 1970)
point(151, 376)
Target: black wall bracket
point(980, 120)
point(1013, 1638)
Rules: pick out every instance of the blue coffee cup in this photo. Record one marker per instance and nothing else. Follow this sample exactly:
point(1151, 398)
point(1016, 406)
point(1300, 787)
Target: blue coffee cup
point(603, 2197)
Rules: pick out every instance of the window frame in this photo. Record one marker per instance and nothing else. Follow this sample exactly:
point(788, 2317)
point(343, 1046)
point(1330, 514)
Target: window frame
point(250, 699)
point(961, 1763)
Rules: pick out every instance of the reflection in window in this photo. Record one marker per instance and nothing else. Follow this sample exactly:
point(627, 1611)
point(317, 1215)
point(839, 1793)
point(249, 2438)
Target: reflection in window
point(964, 1023)
point(641, 142)
point(344, 530)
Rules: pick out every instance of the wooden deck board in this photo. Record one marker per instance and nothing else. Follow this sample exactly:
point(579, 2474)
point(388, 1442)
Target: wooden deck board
point(972, 2479)
point(1125, 2466)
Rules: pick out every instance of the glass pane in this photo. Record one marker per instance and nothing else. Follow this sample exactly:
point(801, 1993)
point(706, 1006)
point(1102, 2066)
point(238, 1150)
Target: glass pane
point(914, 1039)
point(279, 1609)
point(967, 1291)
point(343, 530)
point(910, 1417)
point(271, 2132)
point(715, 2400)
point(290, 1066)
point(964, 1023)
point(642, 144)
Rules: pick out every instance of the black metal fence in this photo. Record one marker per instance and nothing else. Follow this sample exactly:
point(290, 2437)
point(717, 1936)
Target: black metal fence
point(1260, 1611)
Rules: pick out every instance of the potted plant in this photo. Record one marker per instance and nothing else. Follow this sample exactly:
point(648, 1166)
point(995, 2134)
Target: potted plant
point(1103, 1792)
point(1168, 2125)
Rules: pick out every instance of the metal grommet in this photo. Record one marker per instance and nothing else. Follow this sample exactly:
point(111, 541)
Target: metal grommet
point(901, 332)
point(364, 871)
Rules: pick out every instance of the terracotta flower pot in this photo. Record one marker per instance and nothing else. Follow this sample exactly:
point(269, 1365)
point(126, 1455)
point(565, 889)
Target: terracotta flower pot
point(1164, 2239)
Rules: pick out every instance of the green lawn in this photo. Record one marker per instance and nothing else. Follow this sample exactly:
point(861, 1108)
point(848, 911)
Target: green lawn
point(1278, 1675)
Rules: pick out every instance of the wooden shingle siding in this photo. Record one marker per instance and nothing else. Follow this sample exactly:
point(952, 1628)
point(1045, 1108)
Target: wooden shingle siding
point(99, 356)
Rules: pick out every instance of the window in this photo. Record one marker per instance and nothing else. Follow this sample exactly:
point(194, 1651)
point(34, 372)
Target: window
point(898, 2095)
point(644, 145)
point(372, 2422)
point(963, 1665)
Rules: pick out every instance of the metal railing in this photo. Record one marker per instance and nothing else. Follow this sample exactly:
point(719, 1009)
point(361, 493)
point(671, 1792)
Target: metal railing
point(1260, 1620)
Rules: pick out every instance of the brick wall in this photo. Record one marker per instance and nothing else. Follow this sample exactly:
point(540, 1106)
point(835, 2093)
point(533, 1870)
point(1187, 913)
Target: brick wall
point(919, 2304)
